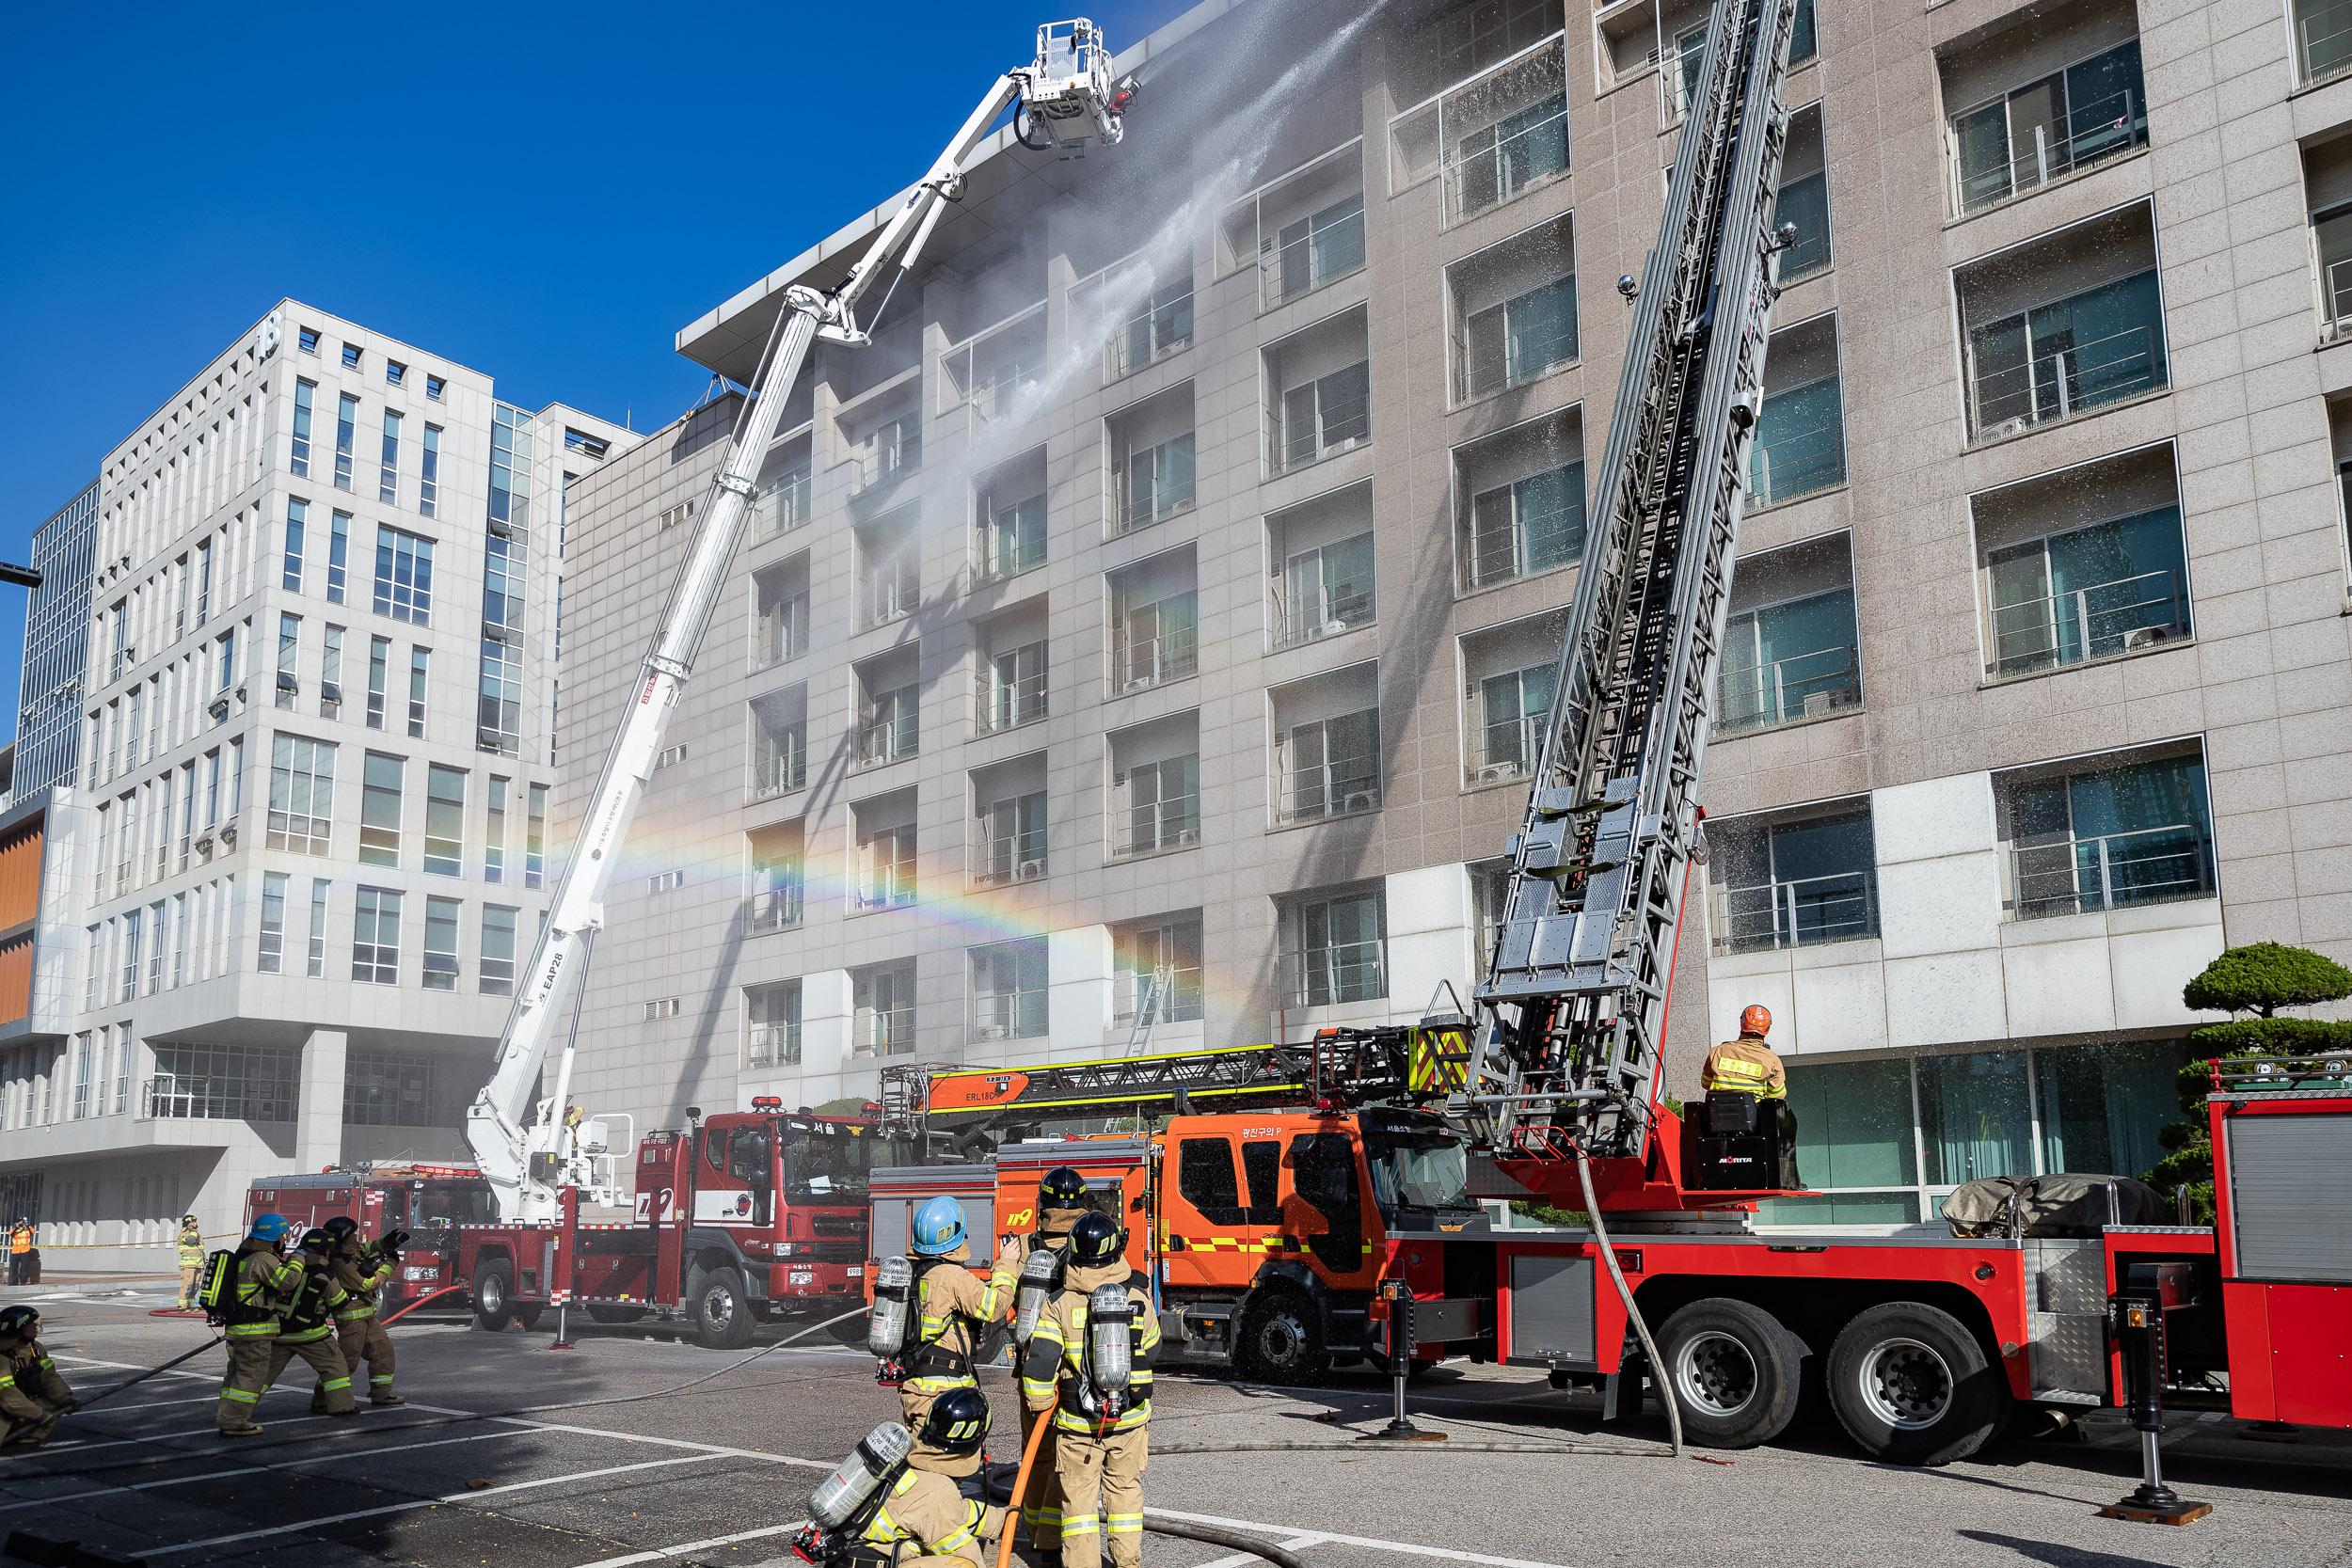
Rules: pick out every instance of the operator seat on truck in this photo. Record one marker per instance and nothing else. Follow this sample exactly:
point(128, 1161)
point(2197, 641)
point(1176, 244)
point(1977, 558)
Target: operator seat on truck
point(1736, 1141)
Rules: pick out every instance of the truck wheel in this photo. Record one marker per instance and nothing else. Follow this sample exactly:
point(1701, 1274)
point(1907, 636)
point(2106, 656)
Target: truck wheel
point(604, 1313)
point(721, 1308)
point(528, 1317)
point(1735, 1372)
point(1911, 1384)
point(1281, 1342)
point(494, 1297)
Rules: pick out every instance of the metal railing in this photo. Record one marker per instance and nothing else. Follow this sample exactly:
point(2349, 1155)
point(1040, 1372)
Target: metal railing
point(1497, 742)
point(1154, 660)
point(1008, 1015)
point(783, 630)
point(1018, 857)
point(2336, 286)
point(1500, 170)
point(1797, 464)
point(1840, 906)
point(783, 503)
point(1803, 685)
point(882, 1032)
point(1001, 553)
point(1307, 264)
point(2113, 124)
point(1009, 390)
point(775, 1045)
point(2323, 42)
point(1341, 787)
point(1172, 823)
point(1523, 545)
point(780, 764)
point(1175, 994)
point(2048, 388)
point(1336, 426)
point(774, 910)
point(1319, 613)
point(1005, 705)
point(886, 891)
point(2077, 876)
point(2097, 622)
point(1152, 334)
point(1144, 507)
point(1329, 976)
point(886, 740)
point(169, 1096)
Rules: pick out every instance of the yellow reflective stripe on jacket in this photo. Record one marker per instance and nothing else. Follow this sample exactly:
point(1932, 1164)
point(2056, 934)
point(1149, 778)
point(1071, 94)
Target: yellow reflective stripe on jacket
point(1146, 1340)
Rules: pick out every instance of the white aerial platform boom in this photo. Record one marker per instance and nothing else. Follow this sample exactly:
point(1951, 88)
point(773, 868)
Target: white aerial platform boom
point(1063, 101)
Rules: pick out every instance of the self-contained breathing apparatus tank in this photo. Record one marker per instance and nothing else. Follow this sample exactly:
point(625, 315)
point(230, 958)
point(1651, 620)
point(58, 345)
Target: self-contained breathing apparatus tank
point(1110, 1353)
point(894, 1304)
point(846, 1498)
point(1040, 1277)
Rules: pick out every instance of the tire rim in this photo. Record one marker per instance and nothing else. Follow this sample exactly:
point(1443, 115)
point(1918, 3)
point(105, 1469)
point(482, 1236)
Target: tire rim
point(1906, 1384)
point(1281, 1341)
point(718, 1305)
point(493, 1296)
point(1715, 1375)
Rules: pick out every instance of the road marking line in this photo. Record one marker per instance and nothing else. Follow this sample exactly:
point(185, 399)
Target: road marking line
point(214, 1430)
point(243, 1470)
point(1243, 1559)
point(713, 1448)
point(445, 1497)
point(680, 1550)
point(1450, 1554)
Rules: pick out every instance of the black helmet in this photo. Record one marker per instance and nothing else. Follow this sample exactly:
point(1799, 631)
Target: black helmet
point(1096, 1241)
point(1063, 1188)
point(342, 1227)
point(957, 1422)
point(317, 1242)
point(19, 1320)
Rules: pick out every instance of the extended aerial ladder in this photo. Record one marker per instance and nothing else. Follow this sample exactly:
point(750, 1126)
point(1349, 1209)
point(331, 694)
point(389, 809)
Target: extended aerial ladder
point(1573, 1004)
point(1064, 101)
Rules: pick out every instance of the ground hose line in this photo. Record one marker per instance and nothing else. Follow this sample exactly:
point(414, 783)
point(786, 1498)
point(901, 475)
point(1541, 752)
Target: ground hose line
point(1217, 1537)
point(404, 1311)
point(1625, 1294)
point(1370, 1445)
point(110, 1393)
point(1021, 1484)
point(173, 1455)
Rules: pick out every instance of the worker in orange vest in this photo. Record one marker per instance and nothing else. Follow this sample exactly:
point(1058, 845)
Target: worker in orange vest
point(20, 1249)
point(1751, 1065)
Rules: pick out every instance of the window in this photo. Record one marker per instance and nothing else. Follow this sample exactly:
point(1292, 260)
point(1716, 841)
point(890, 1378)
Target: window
point(1303, 231)
point(1008, 539)
point(1011, 687)
point(1160, 323)
point(494, 835)
point(1324, 382)
point(780, 599)
point(669, 756)
point(2036, 356)
point(2088, 593)
point(1803, 201)
point(351, 356)
point(891, 448)
point(660, 1009)
point(273, 953)
point(301, 795)
point(380, 656)
point(394, 372)
point(290, 576)
point(777, 871)
point(308, 339)
point(331, 673)
point(440, 944)
point(2030, 136)
point(889, 718)
point(1155, 622)
point(1789, 645)
point(2129, 832)
point(1156, 805)
point(346, 436)
point(1323, 589)
point(510, 469)
point(444, 821)
point(1328, 767)
point(419, 662)
point(317, 968)
point(404, 576)
point(1514, 309)
point(497, 950)
point(203, 581)
point(234, 1083)
point(676, 515)
point(226, 660)
point(580, 440)
point(889, 556)
point(885, 852)
point(1529, 525)
point(288, 653)
point(387, 480)
point(379, 811)
point(785, 501)
point(1492, 137)
point(884, 1021)
point(535, 838)
point(773, 1019)
point(304, 394)
point(1511, 711)
point(1335, 950)
point(383, 1090)
point(1792, 883)
point(1155, 971)
point(995, 374)
point(1009, 837)
point(1008, 991)
point(1152, 468)
point(779, 742)
point(434, 386)
point(375, 937)
point(429, 470)
point(337, 557)
point(498, 698)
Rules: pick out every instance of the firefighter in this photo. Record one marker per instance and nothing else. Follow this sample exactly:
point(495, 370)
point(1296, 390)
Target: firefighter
point(32, 1395)
point(1095, 1377)
point(1751, 1065)
point(307, 1328)
point(951, 1306)
point(1061, 1202)
point(361, 1271)
point(926, 1508)
point(191, 1260)
point(263, 1284)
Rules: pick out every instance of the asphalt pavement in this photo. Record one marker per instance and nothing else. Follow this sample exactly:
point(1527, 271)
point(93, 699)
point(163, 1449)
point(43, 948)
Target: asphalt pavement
point(719, 1474)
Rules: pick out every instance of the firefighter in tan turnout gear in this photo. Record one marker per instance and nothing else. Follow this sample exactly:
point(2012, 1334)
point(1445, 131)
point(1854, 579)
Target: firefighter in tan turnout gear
point(1089, 1363)
point(191, 1260)
point(260, 1284)
point(926, 1510)
point(361, 1270)
point(949, 1306)
point(32, 1395)
point(307, 1328)
point(1750, 1064)
point(1061, 1203)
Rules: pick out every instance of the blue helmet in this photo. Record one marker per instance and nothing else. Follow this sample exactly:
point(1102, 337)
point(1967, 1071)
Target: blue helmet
point(938, 1226)
point(270, 1227)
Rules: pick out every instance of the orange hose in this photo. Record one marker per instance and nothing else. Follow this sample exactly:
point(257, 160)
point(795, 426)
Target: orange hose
point(1021, 1486)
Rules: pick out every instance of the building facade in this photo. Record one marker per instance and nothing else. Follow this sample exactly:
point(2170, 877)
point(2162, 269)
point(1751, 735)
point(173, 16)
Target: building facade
point(307, 826)
point(1150, 623)
point(49, 694)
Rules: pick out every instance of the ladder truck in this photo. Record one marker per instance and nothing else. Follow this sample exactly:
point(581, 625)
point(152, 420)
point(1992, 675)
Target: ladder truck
point(541, 1160)
point(1302, 1207)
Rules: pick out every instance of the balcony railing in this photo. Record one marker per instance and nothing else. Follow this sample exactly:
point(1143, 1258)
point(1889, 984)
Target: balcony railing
point(169, 1096)
point(781, 764)
point(1319, 613)
point(886, 592)
point(2338, 292)
point(1173, 995)
point(1483, 174)
point(2150, 865)
point(2098, 622)
point(1803, 685)
point(783, 504)
point(775, 1045)
point(1314, 259)
point(2323, 40)
point(888, 891)
point(886, 740)
point(1798, 463)
point(1012, 858)
point(1329, 976)
point(2049, 387)
point(1154, 332)
point(783, 630)
point(882, 1032)
point(1004, 705)
point(1154, 660)
point(774, 910)
point(1840, 906)
point(1173, 823)
point(1508, 747)
point(1008, 1015)
point(1349, 786)
point(2090, 133)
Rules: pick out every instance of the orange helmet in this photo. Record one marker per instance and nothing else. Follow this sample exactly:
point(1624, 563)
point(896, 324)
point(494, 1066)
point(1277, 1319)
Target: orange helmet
point(1756, 1021)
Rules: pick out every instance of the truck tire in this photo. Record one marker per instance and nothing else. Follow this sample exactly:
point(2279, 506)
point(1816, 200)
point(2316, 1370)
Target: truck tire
point(1281, 1341)
point(1736, 1372)
point(721, 1308)
point(606, 1313)
point(494, 1296)
point(1913, 1385)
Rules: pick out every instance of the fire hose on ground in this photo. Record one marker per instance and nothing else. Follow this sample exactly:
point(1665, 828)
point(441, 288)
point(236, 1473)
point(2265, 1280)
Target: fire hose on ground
point(1187, 1528)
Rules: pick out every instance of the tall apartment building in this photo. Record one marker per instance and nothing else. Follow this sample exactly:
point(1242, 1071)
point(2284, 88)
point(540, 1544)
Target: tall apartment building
point(308, 828)
point(49, 689)
point(1150, 623)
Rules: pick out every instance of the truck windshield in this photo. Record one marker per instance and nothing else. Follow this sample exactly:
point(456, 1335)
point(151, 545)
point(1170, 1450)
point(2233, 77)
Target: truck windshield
point(442, 1203)
point(1421, 1175)
point(833, 1170)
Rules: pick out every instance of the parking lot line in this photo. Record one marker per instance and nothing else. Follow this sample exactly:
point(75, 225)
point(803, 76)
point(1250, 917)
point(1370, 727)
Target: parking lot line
point(249, 1469)
point(1408, 1548)
point(685, 1546)
point(467, 1496)
point(1243, 1559)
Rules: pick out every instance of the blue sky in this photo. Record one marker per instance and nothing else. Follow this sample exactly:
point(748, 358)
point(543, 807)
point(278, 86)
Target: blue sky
point(543, 192)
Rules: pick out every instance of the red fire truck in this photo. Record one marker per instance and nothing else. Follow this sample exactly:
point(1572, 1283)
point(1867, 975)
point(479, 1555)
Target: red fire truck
point(741, 1217)
point(429, 1202)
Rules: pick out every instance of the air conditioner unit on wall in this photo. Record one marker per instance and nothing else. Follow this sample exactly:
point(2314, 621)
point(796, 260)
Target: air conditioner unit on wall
point(1030, 869)
point(1363, 799)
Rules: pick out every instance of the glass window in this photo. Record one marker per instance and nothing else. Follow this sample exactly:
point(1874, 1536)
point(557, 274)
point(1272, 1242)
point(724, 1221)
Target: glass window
point(444, 821)
point(346, 435)
point(1340, 952)
point(337, 557)
point(331, 673)
point(301, 795)
point(1008, 991)
point(379, 811)
point(1011, 839)
point(404, 576)
point(1800, 443)
point(317, 968)
point(440, 944)
point(290, 576)
point(419, 667)
point(1511, 711)
point(304, 394)
point(1531, 524)
point(2088, 593)
point(1009, 539)
point(288, 683)
point(387, 483)
point(1520, 338)
point(379, 656)
point(1975, 1119)
point(2052, 126)
point(375, 937)
point(1158, 482)
point(1795, 883)
point(272, 954)
point(1205, 1178)
point(429, 470)
point(497, 950)
point(1853, 1123)
point(2066, 357)
point(773, 1015)
point(1787, 662)
point(1325, 590)
point(494, 836)
point(1329, 766)
point(536, 837)
point(1803, 44)
point(2130, 834)
point(1804, 203)
point(1156, 805)
point(1157, 965)
point(1326, 414)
